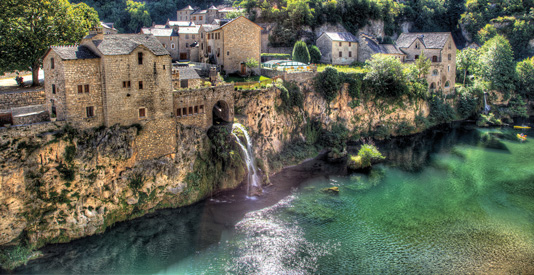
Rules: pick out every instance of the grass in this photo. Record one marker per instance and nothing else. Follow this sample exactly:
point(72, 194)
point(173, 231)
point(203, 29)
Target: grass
point(341, 68)
point(236, 78)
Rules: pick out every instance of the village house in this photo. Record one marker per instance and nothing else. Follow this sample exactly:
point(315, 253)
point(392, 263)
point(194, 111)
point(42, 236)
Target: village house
point(369, 45)
point(200, 17)
point(108, 28)
point(109, 79)
point(440, 48)
point(338, 48)
point(179, 38)
point(185, 77)
point(168, 37)
point(231, 44)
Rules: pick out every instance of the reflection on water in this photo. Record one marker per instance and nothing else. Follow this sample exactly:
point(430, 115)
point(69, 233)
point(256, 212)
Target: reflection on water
point(456, 200)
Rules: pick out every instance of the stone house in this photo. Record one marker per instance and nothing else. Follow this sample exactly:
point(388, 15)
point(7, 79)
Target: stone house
point(188, 41)
point(109, 79)
point(440, 48)
point(369, 45)
point(108, 28)
point(185, 77)
point(338, 48)
point(184, 14)
point(231, 44)
point(168, 37)
point(200, 17)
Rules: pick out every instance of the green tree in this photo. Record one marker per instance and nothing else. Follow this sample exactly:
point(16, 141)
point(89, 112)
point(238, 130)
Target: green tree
point(466, 62)
point(423, 65)
point(497, 64)
point(139, 15)
point(328, 83)
point(251, 64)
point(235, 14)
point(300, 52)
point(525, 77)
point(386, 75)
point(29, 27)
point(315, 54)
point(299, 13)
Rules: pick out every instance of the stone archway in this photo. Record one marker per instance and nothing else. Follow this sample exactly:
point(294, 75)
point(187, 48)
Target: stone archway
point(221, 112)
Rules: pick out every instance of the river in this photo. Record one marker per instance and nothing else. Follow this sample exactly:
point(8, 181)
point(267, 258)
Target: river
point(452, 200)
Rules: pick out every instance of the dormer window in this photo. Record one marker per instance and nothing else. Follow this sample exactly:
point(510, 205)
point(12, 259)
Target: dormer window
point(140, 58)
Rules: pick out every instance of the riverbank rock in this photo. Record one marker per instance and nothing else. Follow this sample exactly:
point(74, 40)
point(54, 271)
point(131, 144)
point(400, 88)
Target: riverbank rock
point(331, 190)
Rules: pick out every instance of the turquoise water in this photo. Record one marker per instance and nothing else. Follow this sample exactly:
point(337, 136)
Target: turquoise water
point(454, 201)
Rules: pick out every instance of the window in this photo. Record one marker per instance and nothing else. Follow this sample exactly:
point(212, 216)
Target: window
point(141, 84)
point(447, 84)
point(450, 45)
point(450, 57)
point(209, 49)
point(165, 45)
point(432, 86)
point(163, 67)
point(340, 54)
point(350, 54)
point(86, 88)
point(126, 84)
point(142, 112)
point(54, 112)
point(179, 112)
point(193, 36)
point(201, 109)
point(194, 18)
point(80, 89)
point(449, 68)
point(53, 89)
point(435, 72)
point(196, 110)
point(417, 45)
point(202, 46)
point(218, 52)
point(227, 53)
point(184, 111)
point(190, 110)
point(187, 36)
point(340, 44)
point(202, 35)
point(140, 58)
point(350, 44)
point(52, 65)
point(416, 56)
point(172, 45)
point(90, 111)
point(434, 58)
point(200, 18)
point(184, 83)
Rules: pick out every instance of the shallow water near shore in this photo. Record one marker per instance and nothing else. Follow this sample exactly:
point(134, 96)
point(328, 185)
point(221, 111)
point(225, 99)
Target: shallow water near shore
point(455, 200)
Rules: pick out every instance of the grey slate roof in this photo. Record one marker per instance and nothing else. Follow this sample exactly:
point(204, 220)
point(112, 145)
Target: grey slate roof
point(390, 49)
point(73, 52)
point(181, 23)
point(159, 32)
point(376, 47)
point(122, 44)
point(209, 27)
point(187, 73)
point(341, 36)
point(433, 40)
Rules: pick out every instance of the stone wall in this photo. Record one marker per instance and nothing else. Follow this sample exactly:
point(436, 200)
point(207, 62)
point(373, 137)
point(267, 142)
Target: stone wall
point(55, 77)
point(348, 50)
point(194, 107)
point(242, 40)
point(156, 139)
point(21, 99)
point(30, 130)
point(30, 118)
point(299, 77)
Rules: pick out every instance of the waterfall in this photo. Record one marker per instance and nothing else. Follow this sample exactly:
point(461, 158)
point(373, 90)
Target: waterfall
point(486, 107)
point(253, 177)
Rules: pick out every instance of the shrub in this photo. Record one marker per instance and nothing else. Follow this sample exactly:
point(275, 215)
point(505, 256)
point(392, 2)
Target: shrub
point(70, 152)
point(315, 54)
point(367, 155)
point(466, 105)
point(300, 52)
point(440, 111)
point(137, 180)
point(404, 128)
point(291, 96)
point(328, 83)
point(312, 132)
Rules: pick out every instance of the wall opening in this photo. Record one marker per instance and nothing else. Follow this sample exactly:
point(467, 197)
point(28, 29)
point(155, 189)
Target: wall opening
point(221, 112)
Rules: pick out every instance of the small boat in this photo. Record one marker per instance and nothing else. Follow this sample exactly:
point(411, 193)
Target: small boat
point(521, 127)
point(522, 137)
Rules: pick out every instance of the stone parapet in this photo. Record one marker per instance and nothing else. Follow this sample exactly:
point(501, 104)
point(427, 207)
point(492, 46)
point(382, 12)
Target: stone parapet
point(30, 129)
point(20, 99)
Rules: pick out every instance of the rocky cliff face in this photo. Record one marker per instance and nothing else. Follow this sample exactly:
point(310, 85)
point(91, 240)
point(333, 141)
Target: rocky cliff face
point(65, 185)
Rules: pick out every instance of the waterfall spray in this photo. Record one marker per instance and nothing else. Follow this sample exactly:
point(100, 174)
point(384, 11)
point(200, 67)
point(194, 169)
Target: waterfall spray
point(253, 177)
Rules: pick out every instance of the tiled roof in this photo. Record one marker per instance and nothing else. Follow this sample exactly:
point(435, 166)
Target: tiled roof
point(209, 27)
point(107, 25)
point(187, 8)
point(159, 32)
point(187, 73)
point(200, 12)
point(181, 23)
point(74, 52)
point(341, 36)
point(224, 22)
point(433, 40)
point(390, 49)
point(189, 30)
point(122, 44)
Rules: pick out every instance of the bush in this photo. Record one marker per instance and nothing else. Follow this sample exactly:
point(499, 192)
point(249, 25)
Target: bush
point(312, 132)
point(335, 138)
point(367, 155)
point(137, 180)
point(291, 96)
point(301, 53)
point(404, 128)
point(315, 54)
point(328, 83)
point(440, 111)
point(467, 105)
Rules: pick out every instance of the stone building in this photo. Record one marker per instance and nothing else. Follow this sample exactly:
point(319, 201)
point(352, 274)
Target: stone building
point(200, 17)
point(185, 77)
point(108, 28)
point(231, 44)
point(369, 45)
point(168, 37)
point(338, 48)
point(184, 14)
point(440, 48)
point(109, 79)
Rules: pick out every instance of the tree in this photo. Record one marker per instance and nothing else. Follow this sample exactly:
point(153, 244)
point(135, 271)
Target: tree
point(423, 65)
point(497, 64)
point(315, 54)
point(139, 15)
point(29, 27)
point(386, 75)
point(328, 83)
point(235, 14)
point(466, 62)
point(251, 64)
point(300, 52)
point(525, 77)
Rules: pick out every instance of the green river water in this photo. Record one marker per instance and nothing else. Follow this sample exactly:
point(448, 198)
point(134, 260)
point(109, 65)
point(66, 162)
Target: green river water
point(457, 200)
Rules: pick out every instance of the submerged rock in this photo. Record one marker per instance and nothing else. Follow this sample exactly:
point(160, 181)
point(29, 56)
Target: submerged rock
point(331, 190)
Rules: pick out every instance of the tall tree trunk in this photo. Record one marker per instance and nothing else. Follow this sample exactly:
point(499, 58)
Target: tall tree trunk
point(35, 74)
